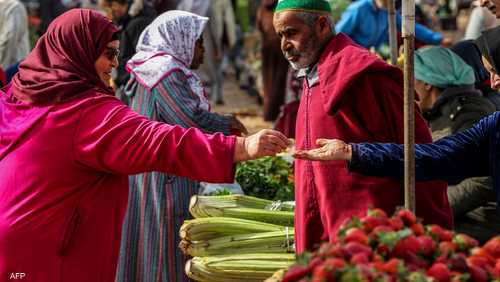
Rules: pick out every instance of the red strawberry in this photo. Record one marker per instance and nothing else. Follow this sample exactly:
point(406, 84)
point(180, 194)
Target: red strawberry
point(360, 258)
point(407, 216)
point(377, 257)
point(477, 261)
point(406, 245)
point(376, 212)
point(493, 247)
point(331, 250)
point(439, 233)
point(396, 223)
point(378, 231)
point(355, 248)
point(370, 222)
point(483, 253)
point(335, 263)
point(447, 248)
point(458, 262)
point(415, 262)
point(356, 235)
point(418, 229)
point(322, 273)
point(465, 242)
point(439, 272)
point(427, 245)
point(478, 274)
point(393, 266)
point(296, 272)
point(378, 266)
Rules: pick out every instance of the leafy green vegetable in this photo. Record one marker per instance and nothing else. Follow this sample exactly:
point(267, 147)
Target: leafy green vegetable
point(268, 178)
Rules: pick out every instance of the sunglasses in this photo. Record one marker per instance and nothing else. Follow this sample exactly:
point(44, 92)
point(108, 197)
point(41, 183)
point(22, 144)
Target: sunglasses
point(111, 53)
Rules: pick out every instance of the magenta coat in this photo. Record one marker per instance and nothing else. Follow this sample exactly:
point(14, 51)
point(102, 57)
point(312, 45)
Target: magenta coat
point(64, 181)
point(359, 98)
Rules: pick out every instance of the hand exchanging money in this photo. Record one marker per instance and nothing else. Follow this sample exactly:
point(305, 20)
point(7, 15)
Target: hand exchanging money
point(263, 143)
point(330, 150)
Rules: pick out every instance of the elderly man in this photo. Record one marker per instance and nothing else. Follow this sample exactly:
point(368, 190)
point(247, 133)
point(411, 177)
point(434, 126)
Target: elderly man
point(352, 95)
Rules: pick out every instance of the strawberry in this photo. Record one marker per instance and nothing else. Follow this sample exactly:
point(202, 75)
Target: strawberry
point(370, 222)
point(477, 261)
point(447, 248)
point(379, 230)
point(376, 212)
point(360, 258)
point(322, 273)
point(478, 274)
point(332, 250)
point(396, 223)
point(483, 253)
point(439, 233)
point(439, 272)
point(458, 262)
point(459, 277)
point(407, 216)
point(415, 262)
point(355, 248)
point(406, 245)
point(418, 229)
point(493, 247)
point(427, 245)
point(296, 272)
point(356, 235)
point(465, 242)
point(393, 266)
point(335, 263)
point(378, 266)
point(417, 277)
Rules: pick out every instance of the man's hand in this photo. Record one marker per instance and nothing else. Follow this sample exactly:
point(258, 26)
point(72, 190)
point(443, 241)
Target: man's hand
point(263, 143)
point(330, 150)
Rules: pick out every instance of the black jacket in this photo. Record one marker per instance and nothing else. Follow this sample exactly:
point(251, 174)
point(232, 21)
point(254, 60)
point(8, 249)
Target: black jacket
point(457, 109)
point(130, 31)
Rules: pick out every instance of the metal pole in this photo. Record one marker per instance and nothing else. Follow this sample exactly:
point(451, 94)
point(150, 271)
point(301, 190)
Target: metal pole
point(408, 31)
point(393, 33)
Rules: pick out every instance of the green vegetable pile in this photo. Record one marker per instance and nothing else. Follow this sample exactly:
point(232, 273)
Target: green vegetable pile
point(268, 178)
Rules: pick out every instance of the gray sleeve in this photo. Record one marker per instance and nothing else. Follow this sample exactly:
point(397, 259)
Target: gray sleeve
point(470, 194)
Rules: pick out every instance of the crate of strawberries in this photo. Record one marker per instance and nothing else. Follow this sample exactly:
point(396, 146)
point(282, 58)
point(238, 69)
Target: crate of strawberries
point(398, 248)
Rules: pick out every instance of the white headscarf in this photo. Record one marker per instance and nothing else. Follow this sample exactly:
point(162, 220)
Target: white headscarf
point(166, 45)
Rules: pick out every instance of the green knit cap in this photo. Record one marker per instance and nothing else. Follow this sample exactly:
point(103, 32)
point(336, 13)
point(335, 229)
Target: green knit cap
point(315, 6)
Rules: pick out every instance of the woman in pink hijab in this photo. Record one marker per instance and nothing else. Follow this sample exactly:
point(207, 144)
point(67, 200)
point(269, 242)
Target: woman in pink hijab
point(67, 146)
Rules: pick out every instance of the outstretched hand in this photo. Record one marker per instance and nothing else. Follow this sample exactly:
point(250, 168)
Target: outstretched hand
point(263, 143)
point(330, 150)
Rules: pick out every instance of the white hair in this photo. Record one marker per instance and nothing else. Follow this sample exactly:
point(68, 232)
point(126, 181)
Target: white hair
point(310, 19)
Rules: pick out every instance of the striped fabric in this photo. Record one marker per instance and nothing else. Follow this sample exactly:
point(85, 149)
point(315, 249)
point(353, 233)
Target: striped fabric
point(158, 203)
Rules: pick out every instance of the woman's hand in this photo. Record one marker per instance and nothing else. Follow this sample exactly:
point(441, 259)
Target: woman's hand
point(330, 150)
point(263, 143)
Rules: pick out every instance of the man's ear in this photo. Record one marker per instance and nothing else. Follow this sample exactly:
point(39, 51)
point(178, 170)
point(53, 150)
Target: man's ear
point(323, 26)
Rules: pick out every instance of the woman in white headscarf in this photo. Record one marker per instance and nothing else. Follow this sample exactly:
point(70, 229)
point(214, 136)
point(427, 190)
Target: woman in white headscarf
point(163, 87)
